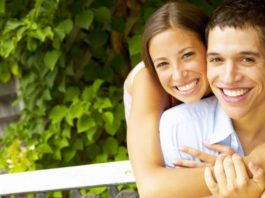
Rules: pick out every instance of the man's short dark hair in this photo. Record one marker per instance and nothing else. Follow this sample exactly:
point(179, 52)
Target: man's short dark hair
point(239, 14)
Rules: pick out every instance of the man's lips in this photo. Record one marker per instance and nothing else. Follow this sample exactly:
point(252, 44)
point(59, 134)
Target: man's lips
point(234, 94)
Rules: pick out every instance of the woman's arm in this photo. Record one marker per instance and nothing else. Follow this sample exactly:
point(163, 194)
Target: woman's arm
point(153, 180)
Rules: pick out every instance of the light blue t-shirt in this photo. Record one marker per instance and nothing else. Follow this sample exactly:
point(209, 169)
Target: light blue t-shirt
point(191, 125)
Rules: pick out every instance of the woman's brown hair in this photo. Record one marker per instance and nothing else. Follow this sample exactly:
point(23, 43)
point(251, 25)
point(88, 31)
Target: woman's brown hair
point(172, 15)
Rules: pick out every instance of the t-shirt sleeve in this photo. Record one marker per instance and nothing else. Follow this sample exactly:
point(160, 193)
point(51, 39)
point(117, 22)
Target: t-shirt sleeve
point(168, 130)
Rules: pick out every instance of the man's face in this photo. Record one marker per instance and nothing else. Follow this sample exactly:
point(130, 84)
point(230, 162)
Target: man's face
point(236, 70)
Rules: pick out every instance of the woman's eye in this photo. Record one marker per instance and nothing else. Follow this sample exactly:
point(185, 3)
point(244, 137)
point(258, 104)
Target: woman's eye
point(188, 54)
point(161, 64)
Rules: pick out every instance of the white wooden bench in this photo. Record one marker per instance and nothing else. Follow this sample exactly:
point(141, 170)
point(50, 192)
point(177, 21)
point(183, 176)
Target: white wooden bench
point(72, 178)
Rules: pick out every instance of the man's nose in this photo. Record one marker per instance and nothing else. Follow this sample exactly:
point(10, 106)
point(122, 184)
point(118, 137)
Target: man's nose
point(230, 73)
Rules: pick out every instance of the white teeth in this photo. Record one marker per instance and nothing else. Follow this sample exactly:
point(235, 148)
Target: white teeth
point(188, 86)
point(235, 93)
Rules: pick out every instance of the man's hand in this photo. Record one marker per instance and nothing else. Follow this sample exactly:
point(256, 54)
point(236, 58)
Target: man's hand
point(257, 155)
point(229, 178)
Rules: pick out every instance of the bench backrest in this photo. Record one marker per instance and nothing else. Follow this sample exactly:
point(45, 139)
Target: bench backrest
point(75, 177)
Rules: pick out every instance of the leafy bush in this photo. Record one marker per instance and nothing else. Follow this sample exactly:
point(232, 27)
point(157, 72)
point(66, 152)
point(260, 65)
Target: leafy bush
point(71, 57)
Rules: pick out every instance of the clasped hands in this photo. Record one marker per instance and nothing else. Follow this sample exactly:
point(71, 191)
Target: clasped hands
point(230, 175)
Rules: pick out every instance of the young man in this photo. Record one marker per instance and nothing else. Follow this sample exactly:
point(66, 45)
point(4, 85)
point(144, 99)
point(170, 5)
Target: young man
point(236, 73)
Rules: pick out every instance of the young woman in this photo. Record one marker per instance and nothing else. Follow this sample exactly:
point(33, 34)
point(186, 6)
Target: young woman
point(174, 63)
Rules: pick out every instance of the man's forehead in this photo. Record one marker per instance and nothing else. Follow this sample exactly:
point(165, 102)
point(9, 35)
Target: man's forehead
point(234, 39)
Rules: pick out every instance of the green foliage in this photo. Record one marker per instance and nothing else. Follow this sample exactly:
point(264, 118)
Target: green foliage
point(71, 57)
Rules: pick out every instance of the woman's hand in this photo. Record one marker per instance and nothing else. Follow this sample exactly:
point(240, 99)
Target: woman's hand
point(229, 178)
point(205, 158)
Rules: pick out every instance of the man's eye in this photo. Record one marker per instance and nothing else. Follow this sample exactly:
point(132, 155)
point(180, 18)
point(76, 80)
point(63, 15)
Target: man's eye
point(215, 60)
point(188, 54)
point(248, 60)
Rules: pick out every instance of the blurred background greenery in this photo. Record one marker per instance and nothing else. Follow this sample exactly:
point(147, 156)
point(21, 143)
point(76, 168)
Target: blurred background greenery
point(70, 58)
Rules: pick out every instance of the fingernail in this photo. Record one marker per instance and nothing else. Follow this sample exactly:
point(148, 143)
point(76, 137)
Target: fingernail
point(252, 166)
point(206, 142)
point(181, 148)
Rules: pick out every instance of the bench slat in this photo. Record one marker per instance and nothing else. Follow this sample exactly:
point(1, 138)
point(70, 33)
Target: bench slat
point(102, 174)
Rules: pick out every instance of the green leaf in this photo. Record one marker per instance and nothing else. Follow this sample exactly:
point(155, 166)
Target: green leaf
point(46, 95)
point(61, 86)
point(2, 6)
point(44, 148)
point(7, 46)
point(31, 44)
point(90, 134)
point(112, 128)
point(103, 14)
point(38, 34)
point(71, 93)
point(48, 32)
point(102, 103)
point(5, 74)
point(58, 113)
point(96, 85)
point(68, 154)
point(98, 38)
point(12, 24)
point(85, 123)
point(135, 44)
point(78, 144)
point(108, 117)
point(15, 68)
point(76, 110)
point(50, 78)
point(92, 71)
point(66, 132)
point(118, 24)
point(51, 58)
point(64, 27)
point(84, 19)
point(122, 154)
point(61, 142)
point(57, 154)
point(101, 158)
point(111, 146)
point(46, 135)
point(87, 93)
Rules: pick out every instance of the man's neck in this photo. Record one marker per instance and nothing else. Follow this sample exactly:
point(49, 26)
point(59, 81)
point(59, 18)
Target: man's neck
point(250, 130)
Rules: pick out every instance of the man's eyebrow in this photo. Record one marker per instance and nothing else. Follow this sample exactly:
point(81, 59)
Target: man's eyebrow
point(212, 53)
point(243, 53)
point(250, 53)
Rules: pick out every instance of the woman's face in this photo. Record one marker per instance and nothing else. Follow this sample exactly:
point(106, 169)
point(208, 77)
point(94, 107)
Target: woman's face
point(179, 59)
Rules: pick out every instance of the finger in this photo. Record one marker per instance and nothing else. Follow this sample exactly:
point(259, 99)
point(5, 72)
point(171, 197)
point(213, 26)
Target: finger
point(219, 148)
point(230, 173)
point(241, 172)
point(263, 195)
point(220, 173)
point(210, 159)
point(189, 164)
point(258, 175)
point(210, 181)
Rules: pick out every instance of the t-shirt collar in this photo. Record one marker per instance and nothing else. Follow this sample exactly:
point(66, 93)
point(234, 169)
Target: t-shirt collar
point(223, 127)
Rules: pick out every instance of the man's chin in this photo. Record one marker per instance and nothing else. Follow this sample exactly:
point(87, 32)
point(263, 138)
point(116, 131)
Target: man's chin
point(235, 113)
